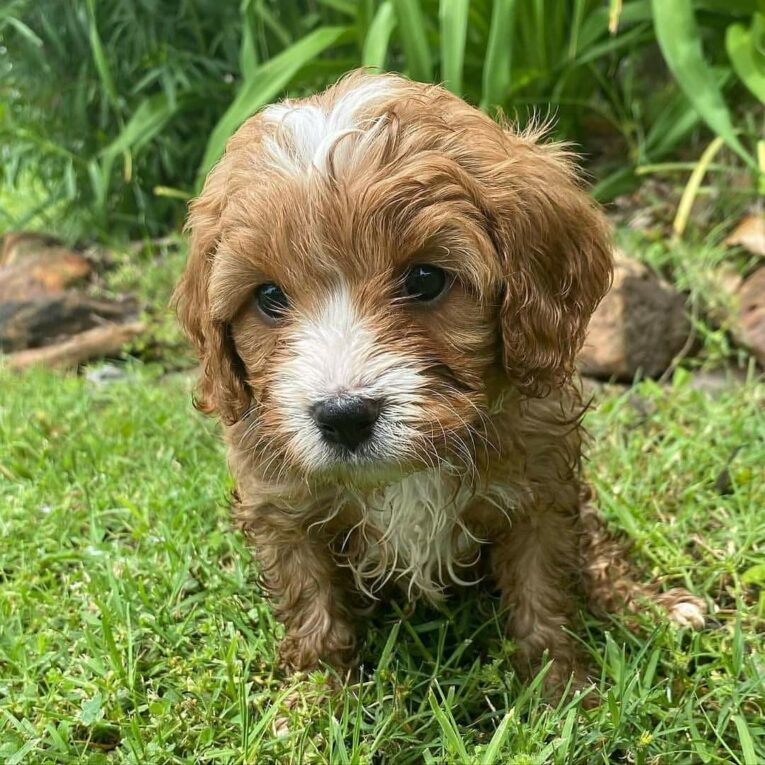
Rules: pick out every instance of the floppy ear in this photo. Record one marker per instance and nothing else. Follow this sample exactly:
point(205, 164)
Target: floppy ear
point(222, 386)
point(556, 253)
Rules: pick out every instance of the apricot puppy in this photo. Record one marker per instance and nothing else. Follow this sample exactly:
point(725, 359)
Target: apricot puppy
point(387, 291)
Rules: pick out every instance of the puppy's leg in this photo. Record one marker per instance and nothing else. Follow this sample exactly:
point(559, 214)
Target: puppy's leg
point(309, 595)
point(536, 568)
point(609, 583)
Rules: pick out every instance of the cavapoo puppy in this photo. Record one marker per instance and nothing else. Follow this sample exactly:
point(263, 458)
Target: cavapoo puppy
point(387, 291)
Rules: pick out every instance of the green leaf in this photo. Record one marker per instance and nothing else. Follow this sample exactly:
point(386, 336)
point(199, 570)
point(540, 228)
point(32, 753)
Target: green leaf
point(92, 710)
point(494, 748)
point(453, 17)
point(448, 727)
point(754, 575)
point(496, 66)
point(746, 741)
point(24, 31)
point(266, 82)
point(99, 56)
point(248, 52)
point(375, 48)
point(342, 6)
point(748, 61)
point(679, 38)
point(151, 115)
point(414, 39)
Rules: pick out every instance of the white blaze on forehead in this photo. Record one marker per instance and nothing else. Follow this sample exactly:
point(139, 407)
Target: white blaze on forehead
point(336, 351)
point(305, 133)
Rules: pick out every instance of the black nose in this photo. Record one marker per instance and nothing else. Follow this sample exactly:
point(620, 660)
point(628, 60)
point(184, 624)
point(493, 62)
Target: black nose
point(346, 420)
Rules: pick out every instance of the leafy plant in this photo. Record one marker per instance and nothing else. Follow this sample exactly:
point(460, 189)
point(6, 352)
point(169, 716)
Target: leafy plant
point(119, 107)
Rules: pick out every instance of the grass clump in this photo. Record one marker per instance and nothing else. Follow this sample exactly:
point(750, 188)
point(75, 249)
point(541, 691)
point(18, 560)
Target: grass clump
point(133, 630)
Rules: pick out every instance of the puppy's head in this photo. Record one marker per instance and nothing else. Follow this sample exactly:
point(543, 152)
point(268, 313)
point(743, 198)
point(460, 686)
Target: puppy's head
point(370, 266)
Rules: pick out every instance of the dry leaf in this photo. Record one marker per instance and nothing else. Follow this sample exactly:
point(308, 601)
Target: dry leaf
point(750, 234)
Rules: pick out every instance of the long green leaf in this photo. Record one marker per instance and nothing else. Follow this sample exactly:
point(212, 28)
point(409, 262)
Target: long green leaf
point(448, 727)
point(746, 741)
point(24, 31)
point(375, 50)
point(342, 6)
point(679, 38)
point(748, 61)
point(266, 82)
point(99, 56)
point(150, 116)
point(453, 17)
point(414, 39)
point(496, 65)
point(492, 753)
point(248, 51)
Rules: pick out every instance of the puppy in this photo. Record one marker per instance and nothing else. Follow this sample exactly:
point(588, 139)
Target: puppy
point(387, 291)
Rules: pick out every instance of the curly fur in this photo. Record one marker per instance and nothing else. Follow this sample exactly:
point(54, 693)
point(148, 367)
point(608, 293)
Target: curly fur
point(475, 462)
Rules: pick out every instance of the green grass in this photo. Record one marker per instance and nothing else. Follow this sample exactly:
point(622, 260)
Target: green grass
point(132, 629)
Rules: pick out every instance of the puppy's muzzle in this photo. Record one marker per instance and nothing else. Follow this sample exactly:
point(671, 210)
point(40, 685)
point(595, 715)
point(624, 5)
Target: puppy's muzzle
point(346, 421)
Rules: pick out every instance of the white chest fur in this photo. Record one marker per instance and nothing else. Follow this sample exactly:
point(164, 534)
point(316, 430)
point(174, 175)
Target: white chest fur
point(413, 532)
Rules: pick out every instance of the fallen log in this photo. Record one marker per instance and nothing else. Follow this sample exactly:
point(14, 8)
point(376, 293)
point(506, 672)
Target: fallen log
point(44, 320)
point(107, 340)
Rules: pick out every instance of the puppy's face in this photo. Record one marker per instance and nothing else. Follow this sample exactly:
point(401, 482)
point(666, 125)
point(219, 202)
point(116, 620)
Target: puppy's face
point(371, 266)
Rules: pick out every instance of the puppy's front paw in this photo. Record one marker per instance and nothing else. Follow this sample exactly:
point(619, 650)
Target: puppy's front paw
point(683, 609)
point(304, 650)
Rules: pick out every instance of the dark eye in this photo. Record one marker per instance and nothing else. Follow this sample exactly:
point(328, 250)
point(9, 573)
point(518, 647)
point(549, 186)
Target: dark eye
point(424, 282)
point(271, 300)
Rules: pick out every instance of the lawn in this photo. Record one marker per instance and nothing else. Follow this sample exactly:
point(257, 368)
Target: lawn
point(132, 628)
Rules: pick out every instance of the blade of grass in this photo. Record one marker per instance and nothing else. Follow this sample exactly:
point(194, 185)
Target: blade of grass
point(248, 52)
point(448, 727)
point(453, 18)
point(679, 38)
point(494, 748)
point(692, 187)
point(496, 66)
point(746, 741)
point(267, 81)
point(99, 56)
point(24, 31)
point(375, 49)
point(414, 39)
point(149, 118)
point(342, 6)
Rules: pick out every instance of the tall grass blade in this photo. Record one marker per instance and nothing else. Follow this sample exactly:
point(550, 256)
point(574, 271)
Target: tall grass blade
point(99, 56)
point(453, 18)
point(267, 81)
point(448, 727)
point(746, 741)
point(494, 748)
point(679, 38)
point(692, 187)
point(248, 52)
point(496, 66)
point(24, 31)
point(414, 39)
point(342, 6)
point(375, 50)
point(148, 120)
